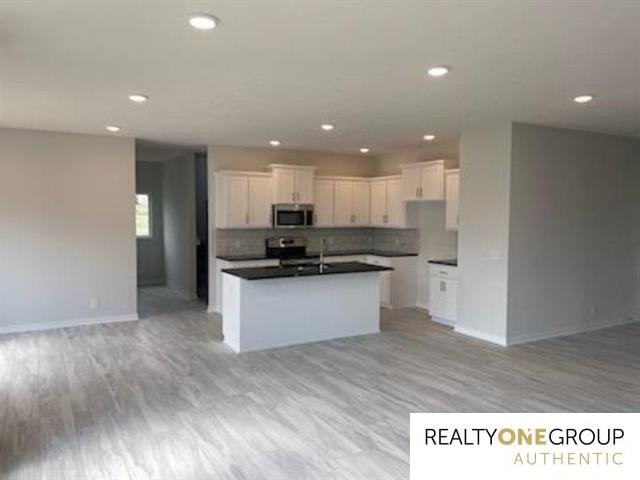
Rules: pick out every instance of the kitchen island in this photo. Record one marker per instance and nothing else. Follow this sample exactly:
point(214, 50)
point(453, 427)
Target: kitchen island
point(269, 307)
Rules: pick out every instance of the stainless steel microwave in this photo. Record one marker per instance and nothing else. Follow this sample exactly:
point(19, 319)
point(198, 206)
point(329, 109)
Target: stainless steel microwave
point(289, 215)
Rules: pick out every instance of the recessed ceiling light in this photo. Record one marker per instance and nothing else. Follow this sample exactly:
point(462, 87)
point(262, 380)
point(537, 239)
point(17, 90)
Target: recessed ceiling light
point(429, 137)
point(113, 128)
point(327, 126)
point(364, 150)
point(439, 71)
point(274, 143)
point(138, 98)
point(203, 21)
point(583, 98)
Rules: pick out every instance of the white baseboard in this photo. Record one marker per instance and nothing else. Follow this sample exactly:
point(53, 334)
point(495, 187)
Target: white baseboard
point(74, 322)
point(520, 339)
point(443, 321)
point(212, 309)
point(422, 306)
point(480, 335)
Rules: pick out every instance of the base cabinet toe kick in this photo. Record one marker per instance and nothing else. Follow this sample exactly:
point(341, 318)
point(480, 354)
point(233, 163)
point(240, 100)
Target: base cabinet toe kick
point(288, 310)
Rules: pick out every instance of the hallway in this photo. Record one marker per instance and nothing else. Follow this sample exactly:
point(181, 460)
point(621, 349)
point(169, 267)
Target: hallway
point(160, 301)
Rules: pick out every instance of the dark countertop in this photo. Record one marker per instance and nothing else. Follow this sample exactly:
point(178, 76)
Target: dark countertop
point(264, 273)
point(450, 263)
point(262, 256)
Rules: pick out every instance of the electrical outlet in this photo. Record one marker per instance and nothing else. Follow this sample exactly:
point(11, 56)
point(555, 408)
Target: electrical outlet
point(94, 303)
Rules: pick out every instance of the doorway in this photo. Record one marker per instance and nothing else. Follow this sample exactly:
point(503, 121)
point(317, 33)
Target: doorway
point(202, 228)
point(171, 227)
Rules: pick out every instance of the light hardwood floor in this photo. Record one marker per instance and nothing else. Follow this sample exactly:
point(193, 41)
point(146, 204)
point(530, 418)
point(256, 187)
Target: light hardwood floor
point(162, 398)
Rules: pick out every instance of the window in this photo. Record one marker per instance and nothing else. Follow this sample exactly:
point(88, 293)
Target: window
point(143, 215)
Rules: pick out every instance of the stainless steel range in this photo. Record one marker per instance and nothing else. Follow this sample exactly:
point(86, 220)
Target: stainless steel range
point(292, 252)
point(286, 248)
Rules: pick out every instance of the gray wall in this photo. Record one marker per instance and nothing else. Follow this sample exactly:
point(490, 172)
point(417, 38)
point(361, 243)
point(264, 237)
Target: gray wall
point(574, 249)
point(66, 228)
point(483, 236)
point(389, 164)
point(258, 159)
point(151, 250)
point(179, 215)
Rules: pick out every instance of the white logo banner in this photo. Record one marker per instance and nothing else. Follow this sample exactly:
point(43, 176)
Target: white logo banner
point(504, 446)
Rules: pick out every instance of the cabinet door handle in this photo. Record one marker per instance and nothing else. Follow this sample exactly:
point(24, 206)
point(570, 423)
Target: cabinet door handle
point(443, 286)
point(417, 192)
point(246, 218)
point(420, 192)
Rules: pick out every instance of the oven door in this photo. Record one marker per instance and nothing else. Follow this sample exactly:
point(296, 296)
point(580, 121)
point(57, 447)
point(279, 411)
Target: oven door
point(289, 218)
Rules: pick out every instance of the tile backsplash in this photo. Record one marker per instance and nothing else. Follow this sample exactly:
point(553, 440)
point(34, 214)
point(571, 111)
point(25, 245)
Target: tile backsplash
point(250, 241)
point(405, 240)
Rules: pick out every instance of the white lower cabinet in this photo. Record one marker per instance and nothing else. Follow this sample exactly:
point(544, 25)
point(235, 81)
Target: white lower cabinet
point(398, 287)
point(222, 264)
point(443, 293)
point(385, 279)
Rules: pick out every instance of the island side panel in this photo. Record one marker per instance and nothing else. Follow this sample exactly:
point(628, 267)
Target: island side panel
point(289, 311)
point(231, 290)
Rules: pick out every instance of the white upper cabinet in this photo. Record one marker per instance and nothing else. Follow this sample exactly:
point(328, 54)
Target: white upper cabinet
point(396, 207)
point(283, 185)
point(343, 211)
point(323, 207)
point(379, 202)
point(452, 195)
point(292, 183)
point(233, 200)
point(351, 203)
point(387, 203)
point(411, 182)
point(243, 200)
point(432, 187)
point(424, 181)
point(304, 185)
point(361, 203)
point(259, 202)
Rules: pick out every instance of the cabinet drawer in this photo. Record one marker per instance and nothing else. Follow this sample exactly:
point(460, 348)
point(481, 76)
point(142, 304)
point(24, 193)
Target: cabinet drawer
point(380, 261)
point(344, 258)
point(443, 271)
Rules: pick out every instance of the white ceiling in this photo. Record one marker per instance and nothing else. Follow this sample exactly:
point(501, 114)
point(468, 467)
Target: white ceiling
point(280, 69)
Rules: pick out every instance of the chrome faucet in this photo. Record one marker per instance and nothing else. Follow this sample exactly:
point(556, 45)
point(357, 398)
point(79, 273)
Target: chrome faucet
point(323, 246)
